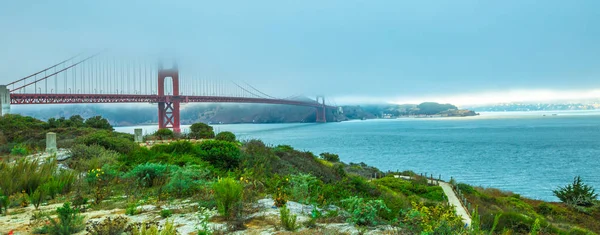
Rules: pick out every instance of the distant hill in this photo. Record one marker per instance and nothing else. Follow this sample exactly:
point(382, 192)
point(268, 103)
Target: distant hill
point(127, 115)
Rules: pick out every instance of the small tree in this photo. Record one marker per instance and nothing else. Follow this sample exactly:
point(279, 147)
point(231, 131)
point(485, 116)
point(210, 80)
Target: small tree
point(331, 157)
point(98, 122)
point(225, 136)
point(164, 134)
point(201, 131)
point(578, 193)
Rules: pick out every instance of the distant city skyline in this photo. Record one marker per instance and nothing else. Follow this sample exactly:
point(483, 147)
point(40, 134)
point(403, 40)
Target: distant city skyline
point(465, 53)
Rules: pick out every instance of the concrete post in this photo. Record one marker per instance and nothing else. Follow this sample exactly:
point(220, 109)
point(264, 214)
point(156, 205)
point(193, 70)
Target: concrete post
point(4, 100)
point(51, 142)
point(138, 135)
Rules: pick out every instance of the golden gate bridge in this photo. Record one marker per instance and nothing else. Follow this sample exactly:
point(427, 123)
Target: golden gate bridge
point(99, 78)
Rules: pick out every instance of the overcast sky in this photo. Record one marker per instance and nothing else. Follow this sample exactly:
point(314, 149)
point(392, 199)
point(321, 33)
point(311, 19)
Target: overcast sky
point(388, 51)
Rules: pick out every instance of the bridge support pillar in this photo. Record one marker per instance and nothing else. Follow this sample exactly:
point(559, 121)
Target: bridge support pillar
point(168, 110)
point(321, 117)
point(4, 100)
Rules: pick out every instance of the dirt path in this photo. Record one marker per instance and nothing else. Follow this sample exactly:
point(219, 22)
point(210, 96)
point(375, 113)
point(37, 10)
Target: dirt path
point(452, 199)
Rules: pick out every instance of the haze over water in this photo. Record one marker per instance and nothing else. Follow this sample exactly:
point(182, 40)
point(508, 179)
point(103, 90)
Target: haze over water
point(524, 152)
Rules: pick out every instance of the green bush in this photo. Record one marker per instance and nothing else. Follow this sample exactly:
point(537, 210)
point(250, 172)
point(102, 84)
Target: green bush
point(150, 174)
point(465, 188)
point(187, 180)
point(408, 188)
point(435, 219)
point(99, 123)
point(19, 150)
point(228, 194)
point(119, 142)
point(330, 157)
point(201, 131)
point(69, 221)
point(578, 193)
point(176, 148)
point(288, 220)
point(225, 136)
point(258, 159)
point(545, 208)
point(363, 212)
point(19, 129)
point(304, 188)
point(150, 228)
point(166, 213)
point(131, 209)
point(4, 203)
point(221, 154)
point(164, 134)
point(37, 197)
point(108, 226)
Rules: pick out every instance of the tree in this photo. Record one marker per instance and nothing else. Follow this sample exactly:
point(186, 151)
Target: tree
point(578, 193)
point(76, 121)
point(164, 134)
point(225, 136)
point(98, 122)
point(201, 131)
point(331, 157)
point(221, 154)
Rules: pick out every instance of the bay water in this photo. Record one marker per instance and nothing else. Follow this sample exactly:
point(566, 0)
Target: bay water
point(529, 153)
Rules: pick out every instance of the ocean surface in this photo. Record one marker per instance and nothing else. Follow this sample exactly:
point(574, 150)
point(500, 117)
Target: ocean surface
point(529, 153)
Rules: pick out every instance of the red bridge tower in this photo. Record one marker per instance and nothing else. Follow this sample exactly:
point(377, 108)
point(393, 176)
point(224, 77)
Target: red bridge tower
point(168, 108)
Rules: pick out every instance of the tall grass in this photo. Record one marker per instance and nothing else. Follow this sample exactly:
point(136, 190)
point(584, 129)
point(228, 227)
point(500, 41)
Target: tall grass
point(228, 194)
point(25, 175)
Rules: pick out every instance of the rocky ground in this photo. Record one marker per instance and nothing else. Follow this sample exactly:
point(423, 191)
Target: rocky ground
point(265, 219)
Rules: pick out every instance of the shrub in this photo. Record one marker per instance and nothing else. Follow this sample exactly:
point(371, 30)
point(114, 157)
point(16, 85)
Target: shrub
point(228, 194)
point(225, 136)
point(149, 228)
point(149, 174)
point(330, 157)
point(131, 209)
point(186, 180)
point(201, 131)
point(81, 151)
point(465, 188)
point(288, 220)
point(108, 226)
point(166, 213)
point(19, 150)
point(203, 217)
point(220, 154)
point(85, 158)
point(37, 197)
point(438, 219)
point(363, 212)
point(258, 158)
point(122, 143)
point(69, 221)
point(4, 203)
point(99, 179)
point(164, 134)
point(304, 187)
point(578, 193)
point(176, 148)
point(545, 208)
point(98, 122)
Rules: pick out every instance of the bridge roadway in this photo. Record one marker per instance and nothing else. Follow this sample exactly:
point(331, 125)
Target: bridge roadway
point(20, 99)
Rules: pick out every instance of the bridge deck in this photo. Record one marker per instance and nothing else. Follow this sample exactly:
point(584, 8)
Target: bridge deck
point(20, 99)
